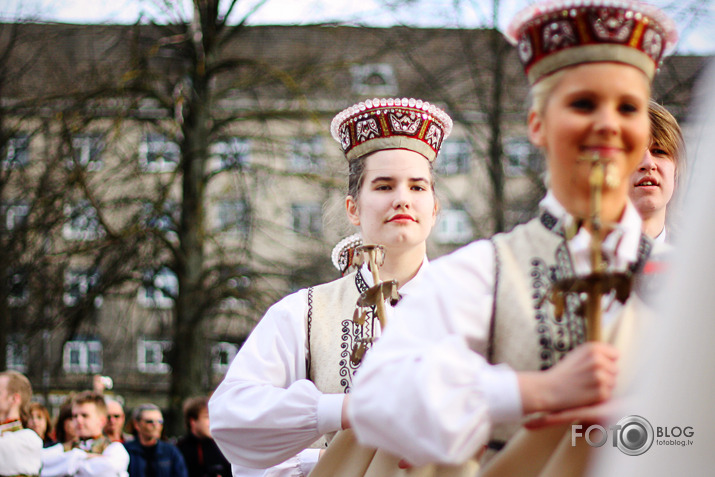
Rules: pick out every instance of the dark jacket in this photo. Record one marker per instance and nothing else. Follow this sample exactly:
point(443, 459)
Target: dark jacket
point(203, 457)
point(161, 460)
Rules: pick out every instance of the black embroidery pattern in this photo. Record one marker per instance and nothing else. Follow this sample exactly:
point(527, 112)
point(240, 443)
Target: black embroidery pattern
point(351, 332)
point(308, 357)
point(557, 335)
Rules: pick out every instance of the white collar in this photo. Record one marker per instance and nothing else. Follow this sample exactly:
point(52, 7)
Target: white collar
point(407, 287)
point(661, 237)
point(620, 247)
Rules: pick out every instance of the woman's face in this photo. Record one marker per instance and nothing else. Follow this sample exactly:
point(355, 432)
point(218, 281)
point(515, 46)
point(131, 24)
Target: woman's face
point(70, 429)
point(396, 207)
point(653, 183)
point(595, 108)
point(37, 423)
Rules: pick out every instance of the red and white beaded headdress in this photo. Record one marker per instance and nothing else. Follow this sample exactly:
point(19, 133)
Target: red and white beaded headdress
point(554, 34)
point(378, 124)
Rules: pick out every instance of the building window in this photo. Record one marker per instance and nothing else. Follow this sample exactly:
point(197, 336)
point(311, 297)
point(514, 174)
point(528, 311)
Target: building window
point(453, 227)
point(232, 216)
point(222, 355)
point(152, 356)
point(18, 293)
point(158, 154)
point(17, 155)
point(16, 354)
point(162, 217)
point(79, 284)
point(159, 289)
point(522, 157)
point(231, 153)
point(82, 356)
point(306, 154)
point(377, 79)
point(307, 218)
point(82, 222)
point(87, 152)
point(14, 215)
point(454, 157)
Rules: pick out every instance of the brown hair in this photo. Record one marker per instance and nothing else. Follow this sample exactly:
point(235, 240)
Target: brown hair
point(18, 383)
point(93, 398)
point(192, 409)
point(36, 406)
point(666, 134)
point(64, 415)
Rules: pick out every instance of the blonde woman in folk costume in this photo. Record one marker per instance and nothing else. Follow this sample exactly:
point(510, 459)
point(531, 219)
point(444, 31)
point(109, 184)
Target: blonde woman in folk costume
point(590, 65)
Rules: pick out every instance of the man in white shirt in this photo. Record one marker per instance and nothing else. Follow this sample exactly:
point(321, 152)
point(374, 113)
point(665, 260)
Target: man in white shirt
point(20, 448)
point(93, 453)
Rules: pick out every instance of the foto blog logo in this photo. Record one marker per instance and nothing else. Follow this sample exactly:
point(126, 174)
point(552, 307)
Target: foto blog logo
point(633, 435)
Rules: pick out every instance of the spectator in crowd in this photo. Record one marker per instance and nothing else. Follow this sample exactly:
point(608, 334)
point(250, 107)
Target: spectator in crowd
point(20, 448)
point(115, 422)
point(149, 455)
point(65, 432)
point(201, 453)
point(41, 423)
point(91, 453)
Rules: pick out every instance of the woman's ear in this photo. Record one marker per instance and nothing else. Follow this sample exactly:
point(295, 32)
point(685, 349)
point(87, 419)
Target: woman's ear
point(351, 208)
point(536, 129)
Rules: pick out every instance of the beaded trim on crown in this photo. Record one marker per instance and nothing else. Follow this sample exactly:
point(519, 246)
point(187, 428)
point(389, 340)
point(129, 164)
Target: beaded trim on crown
point(392, 123)
point(342, 255)
point(554, 34)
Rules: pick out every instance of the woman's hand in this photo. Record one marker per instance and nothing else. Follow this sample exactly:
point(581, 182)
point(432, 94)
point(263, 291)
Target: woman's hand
point(586, 376)
point(600, 413)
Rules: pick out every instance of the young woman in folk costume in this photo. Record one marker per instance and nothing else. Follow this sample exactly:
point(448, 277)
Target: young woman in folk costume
point(492, 315)
point(286, 387)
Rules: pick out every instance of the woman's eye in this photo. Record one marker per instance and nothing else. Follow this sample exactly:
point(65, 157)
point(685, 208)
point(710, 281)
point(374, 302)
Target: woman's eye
point(382, 187)
point(628, 108)
point(419, 188)
point(656, 151)
point(582, 104)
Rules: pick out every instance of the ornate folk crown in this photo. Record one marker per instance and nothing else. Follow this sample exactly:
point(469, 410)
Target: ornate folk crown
point(555, 34)
point(379, 124)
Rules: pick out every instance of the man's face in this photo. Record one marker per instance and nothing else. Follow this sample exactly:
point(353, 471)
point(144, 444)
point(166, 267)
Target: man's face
point(149, 426)
point(200, 427)
point(6, 399)
point(89, 422)
point(115, 419)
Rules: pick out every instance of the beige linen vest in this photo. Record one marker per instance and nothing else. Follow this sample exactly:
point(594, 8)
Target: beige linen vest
point(525, 333)
point(331, 335)
point(332, 332)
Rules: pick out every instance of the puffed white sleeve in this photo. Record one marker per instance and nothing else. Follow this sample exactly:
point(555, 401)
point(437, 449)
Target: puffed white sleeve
point(425, 392)
point(113, 462)
point(265, 411)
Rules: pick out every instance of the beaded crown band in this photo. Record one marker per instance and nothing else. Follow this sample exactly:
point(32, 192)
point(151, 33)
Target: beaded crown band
point(555, 34)
point(378, 124)
point(344, 251)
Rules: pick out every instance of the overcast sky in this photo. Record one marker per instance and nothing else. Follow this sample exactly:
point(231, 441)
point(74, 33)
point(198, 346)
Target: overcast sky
point(696, 30)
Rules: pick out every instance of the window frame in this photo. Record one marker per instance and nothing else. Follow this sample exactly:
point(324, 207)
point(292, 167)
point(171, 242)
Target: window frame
point(85, 348)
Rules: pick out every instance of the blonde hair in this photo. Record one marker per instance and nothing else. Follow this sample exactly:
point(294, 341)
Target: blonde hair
point(17, 383)
point(540, 92)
